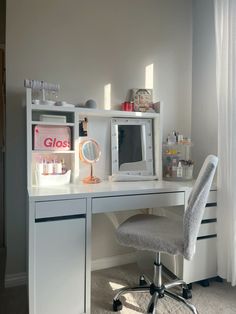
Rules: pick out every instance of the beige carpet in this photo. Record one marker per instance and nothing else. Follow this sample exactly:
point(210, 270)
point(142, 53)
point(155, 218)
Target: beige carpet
point(217, 299)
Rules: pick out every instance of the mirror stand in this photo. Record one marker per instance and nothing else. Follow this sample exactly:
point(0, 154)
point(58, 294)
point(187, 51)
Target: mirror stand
point(90, 153)
point(91, 179)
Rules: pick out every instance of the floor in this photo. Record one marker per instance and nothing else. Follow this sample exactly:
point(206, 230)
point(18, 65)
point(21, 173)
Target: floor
point(14, 300)
point(2, 265)
point(217, 299)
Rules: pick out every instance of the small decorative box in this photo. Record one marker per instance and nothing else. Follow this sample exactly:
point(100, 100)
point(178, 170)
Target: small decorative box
point(52, 137)
point(52, 118)
point(142, 99)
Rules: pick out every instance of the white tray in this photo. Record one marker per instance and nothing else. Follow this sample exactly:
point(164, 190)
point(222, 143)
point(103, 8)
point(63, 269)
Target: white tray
point(53, 179)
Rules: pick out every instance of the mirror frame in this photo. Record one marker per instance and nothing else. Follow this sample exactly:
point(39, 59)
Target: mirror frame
point(91, 179)
point(147, 145)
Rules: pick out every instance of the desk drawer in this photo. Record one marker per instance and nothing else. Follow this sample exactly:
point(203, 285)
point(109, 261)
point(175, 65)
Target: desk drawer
point(60, 208)
point(207, 229)
point(59, 266)
point(204, 262)
point(126, 202)
point(212, 197)
point(210, 213)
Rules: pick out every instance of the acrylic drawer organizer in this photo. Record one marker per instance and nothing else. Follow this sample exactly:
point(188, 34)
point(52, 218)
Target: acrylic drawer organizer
point(52, 180)
point(177, 163)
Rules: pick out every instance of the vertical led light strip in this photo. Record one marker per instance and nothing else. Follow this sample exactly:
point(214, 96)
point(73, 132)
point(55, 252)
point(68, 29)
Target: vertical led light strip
point(107, 97)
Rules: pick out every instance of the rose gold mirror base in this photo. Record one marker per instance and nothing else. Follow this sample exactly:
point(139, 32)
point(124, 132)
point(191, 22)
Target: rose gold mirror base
point(91, 180)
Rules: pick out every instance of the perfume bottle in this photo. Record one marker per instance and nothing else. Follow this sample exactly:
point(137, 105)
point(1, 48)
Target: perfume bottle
point(174, 168)
point(179, 170)
point(63, 165)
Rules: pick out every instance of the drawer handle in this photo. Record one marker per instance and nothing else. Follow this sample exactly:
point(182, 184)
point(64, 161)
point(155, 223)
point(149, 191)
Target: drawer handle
point(207, 221)
point(211, 204)
point(46, 219)
point(207, 237)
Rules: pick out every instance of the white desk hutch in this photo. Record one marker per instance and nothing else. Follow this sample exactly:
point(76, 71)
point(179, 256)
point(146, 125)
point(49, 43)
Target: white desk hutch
point(59, 217)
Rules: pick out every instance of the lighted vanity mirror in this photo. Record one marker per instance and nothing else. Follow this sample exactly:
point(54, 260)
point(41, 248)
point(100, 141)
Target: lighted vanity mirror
point(132, 148)
point(90, 153)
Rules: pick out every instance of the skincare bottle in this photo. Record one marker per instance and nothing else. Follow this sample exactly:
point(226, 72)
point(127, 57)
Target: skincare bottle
point(49, 167)
point(58, 167)
point(180, 138)
point(63, 165)
point(40, 166)
point(171, 139)
point(45, 167)
point(174, 168)
point(179, 170)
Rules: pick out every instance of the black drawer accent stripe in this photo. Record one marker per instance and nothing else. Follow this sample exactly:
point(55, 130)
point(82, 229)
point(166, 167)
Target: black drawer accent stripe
point(206, 221)
point(207, 237)
point(79, 216)
point(211, 204)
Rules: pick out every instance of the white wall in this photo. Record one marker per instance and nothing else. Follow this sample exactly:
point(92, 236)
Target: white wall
point(83, 45)
point(204, 106)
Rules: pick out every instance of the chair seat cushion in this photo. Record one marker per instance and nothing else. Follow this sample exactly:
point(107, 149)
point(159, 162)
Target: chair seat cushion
point(152, 233)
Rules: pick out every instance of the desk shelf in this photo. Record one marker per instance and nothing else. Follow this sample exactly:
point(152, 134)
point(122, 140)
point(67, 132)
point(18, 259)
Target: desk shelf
point(95, 112)
point(53, 152)
point(52, 123)
point(116, 113)
point(98, 125)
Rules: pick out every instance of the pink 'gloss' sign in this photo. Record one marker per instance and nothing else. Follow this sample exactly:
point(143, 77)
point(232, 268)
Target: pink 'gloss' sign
point(52, 137)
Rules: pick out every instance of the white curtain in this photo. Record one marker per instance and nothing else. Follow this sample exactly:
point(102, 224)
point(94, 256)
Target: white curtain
point(225, 26)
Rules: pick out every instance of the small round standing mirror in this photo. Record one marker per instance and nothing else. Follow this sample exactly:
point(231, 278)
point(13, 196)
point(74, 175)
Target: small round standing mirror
point(90, 153)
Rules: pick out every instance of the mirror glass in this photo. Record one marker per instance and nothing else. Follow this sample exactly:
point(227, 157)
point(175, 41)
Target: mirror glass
point(132, 148)
point(90, 153)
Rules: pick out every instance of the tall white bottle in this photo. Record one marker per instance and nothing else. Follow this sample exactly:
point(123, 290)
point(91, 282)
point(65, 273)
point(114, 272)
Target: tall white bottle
point(179, 170)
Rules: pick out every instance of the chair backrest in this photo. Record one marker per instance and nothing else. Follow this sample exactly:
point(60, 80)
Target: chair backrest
point(196, 205)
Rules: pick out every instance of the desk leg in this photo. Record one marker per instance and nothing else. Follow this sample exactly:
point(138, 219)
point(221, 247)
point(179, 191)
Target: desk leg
point(31, 256)
point(88, 257)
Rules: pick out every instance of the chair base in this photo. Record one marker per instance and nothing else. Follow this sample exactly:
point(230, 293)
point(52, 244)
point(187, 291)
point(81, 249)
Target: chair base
point(157, 294)
point(157, 290)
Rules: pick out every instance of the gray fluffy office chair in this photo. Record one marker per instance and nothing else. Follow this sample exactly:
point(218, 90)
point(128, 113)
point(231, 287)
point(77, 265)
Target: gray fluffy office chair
point(161, 234)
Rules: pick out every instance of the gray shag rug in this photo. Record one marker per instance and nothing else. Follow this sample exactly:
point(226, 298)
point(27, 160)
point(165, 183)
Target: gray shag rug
point(218, 298)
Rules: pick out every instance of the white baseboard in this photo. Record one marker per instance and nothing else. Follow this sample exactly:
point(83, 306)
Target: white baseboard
point(113, 261)
point(14, 280)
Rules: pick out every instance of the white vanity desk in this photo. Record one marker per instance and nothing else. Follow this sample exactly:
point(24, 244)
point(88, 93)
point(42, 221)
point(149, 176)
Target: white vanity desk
point(59, 217)
point(60, 236)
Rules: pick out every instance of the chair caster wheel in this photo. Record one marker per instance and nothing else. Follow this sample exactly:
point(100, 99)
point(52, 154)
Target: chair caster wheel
point(117, 305)
point(204, 283)
point(187, 294)
point(142, 281)
point(190, 286)
point(219, 279)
